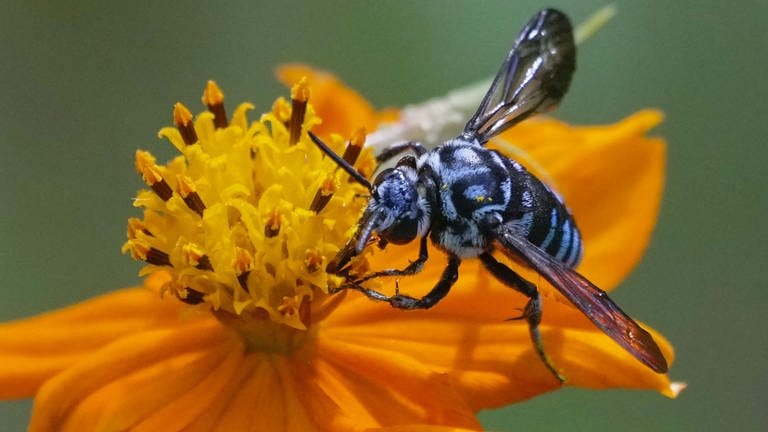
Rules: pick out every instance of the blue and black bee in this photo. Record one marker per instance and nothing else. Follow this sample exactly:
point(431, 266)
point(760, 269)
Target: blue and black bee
point(470, 200)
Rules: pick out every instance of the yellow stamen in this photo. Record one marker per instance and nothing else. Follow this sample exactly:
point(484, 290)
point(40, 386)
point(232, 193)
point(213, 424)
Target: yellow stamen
point(213, 98)
point(146, 166)
point(140, 249)
point(290, 306)
point(356, 143)
point(185, 187)
point(195, 257)
point(243, 261)
point(182, 117)
point(299, 98)
point(324, 194)
point(313, 260)
point(272, 228)
point(136, 226)
point(300, 91)
point(251, 238)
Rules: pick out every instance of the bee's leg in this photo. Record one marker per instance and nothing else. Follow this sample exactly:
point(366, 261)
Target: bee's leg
point(371, 294)
point(412, 268)
point(449, 277)
point(394, 150)
point(532, 312)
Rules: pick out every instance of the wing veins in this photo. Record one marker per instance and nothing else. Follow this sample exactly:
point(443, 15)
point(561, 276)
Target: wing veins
point(588, 298)
point(535, 75)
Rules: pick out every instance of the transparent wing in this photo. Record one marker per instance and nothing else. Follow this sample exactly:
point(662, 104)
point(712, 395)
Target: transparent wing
point(533, 78)
point(591, 300)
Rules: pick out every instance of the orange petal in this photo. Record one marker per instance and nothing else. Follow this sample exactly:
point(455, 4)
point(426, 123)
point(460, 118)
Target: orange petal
point(612, 179)
point(34, 349)
point(342, 109)
point(266, 400)
point(200, 407)
point(126, 401)
point(491, 360)
point(366, 385)
point(137, 357)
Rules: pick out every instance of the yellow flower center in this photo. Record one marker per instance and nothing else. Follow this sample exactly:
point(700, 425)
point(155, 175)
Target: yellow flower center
point(246, 218)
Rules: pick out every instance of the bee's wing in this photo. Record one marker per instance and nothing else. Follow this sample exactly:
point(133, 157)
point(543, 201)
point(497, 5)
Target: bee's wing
point(534, 76)
point(590, 299)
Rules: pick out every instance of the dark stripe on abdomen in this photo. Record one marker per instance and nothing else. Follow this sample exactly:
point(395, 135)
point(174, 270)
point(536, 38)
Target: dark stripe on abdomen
point(553, 228)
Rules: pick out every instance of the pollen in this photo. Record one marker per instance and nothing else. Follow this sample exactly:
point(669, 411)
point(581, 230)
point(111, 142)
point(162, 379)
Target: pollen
point(187, 190)
point(195, 257)
point(313, 260)
point(231, 217)
point(182, 117)
point(213, 98)
point(290, 305)
point(272, 227)
point(300, 91)
point(243, 261)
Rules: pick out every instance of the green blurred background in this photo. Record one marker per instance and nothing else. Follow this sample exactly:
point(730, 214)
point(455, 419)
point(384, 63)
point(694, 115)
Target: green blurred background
point(84, 84)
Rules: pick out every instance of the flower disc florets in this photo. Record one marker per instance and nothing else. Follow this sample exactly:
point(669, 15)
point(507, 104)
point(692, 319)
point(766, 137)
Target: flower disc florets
point(246, 218)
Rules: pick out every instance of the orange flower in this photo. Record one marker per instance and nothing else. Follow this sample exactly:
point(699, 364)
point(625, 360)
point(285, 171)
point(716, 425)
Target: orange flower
point(234, 329)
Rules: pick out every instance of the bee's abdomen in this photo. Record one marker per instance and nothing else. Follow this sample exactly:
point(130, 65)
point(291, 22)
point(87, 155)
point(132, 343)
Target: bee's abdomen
point(542, 217)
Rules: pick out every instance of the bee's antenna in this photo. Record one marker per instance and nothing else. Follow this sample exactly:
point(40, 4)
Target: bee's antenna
point(340, 162)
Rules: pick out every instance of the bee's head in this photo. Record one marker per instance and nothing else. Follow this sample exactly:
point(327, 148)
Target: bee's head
point(397, 210)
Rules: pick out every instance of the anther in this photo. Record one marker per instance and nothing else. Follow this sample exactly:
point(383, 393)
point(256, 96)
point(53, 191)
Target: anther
point(182, 117)
point(146, 166)
point(143, 251)
point(323, 194)
point(158, 258)
point(354, 146)
point(243, 264)
point(299, 98)
point(272, 227)
point(191, 296)
point(313, 261)
point(205, 263)
point(188, 192)
point(290, 305)
point(213, 98)
point(195, 257)
point(136, 226)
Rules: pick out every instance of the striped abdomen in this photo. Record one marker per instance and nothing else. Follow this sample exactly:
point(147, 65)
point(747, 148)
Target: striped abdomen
point(541, 216)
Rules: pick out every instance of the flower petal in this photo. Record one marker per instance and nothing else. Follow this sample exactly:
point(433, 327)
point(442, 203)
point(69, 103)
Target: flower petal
point(611, 177)
point(362, 386)
point(491, 360)
point(34, 349)
point(201, 405)
point(266, 400)
point(142, 357)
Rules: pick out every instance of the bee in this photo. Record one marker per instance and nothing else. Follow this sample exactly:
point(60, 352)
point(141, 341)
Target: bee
point(469, 200)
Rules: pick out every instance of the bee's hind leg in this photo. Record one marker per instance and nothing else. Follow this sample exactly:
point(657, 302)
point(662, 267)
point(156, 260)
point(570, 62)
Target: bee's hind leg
point(532, 312)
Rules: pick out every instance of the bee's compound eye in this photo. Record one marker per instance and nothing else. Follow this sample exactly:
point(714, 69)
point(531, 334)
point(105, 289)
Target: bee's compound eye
point(402, 232)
